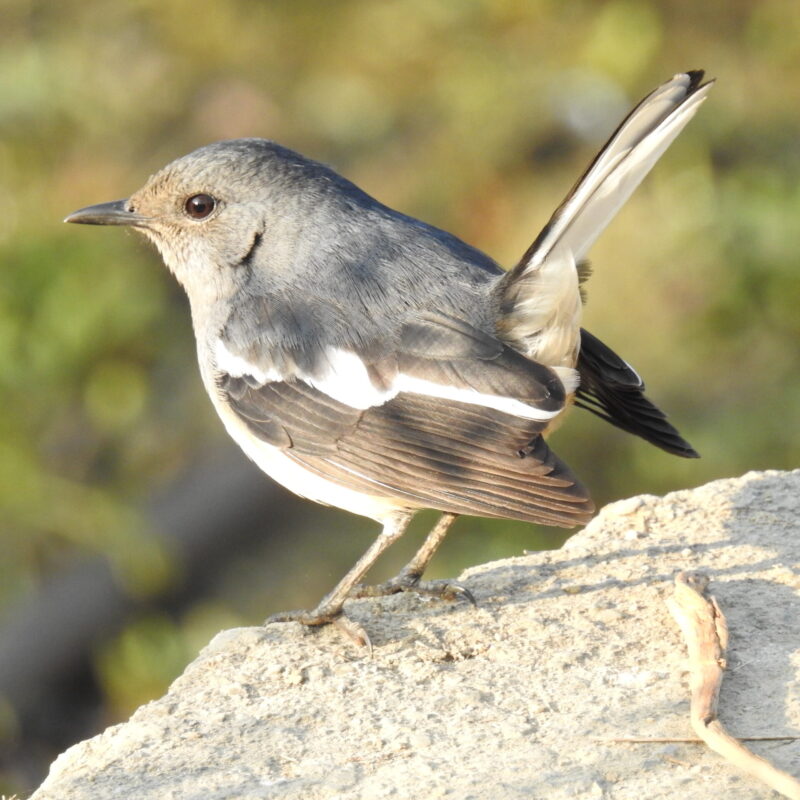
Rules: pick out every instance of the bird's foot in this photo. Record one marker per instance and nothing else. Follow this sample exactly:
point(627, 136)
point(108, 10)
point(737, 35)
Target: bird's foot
point(410, 582)
point(326, 616)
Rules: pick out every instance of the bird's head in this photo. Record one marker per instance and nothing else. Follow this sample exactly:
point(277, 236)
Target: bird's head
point(219, 211)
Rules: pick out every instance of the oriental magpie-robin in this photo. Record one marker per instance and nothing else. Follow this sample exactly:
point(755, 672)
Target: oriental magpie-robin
point(372, 362)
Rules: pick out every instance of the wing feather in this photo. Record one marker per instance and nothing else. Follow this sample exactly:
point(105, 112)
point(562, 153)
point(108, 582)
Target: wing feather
point(442, 454)
point(436, 430)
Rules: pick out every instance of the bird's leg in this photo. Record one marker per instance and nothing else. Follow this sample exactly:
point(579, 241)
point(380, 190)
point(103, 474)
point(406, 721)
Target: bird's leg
point(408, 579)
point(330, 607)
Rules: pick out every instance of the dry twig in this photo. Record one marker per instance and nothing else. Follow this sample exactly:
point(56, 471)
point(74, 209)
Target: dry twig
point(706, 633)
point(684, 739)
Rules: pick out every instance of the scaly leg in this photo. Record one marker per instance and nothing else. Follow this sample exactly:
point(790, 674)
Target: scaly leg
point(330, 607)
point(408, 579)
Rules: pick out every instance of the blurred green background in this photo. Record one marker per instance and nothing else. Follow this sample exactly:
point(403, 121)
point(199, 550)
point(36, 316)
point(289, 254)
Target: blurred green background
point(475, 115)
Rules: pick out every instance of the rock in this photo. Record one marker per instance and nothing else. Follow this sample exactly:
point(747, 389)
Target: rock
point(506, 701)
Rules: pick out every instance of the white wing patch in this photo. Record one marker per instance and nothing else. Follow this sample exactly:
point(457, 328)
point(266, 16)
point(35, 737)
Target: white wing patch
point(238, 367)
point(508, 405)
point(346, 379)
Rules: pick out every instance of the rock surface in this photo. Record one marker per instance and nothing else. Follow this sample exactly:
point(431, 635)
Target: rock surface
point(506, 701)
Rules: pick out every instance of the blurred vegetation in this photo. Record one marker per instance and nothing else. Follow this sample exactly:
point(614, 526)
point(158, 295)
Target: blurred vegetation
point(475, 115)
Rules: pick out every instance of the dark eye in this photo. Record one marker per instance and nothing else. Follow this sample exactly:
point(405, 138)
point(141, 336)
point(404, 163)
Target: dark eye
point(199, 206)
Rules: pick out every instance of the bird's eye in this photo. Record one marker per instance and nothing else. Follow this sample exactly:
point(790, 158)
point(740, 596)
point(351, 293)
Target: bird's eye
point(199, 206)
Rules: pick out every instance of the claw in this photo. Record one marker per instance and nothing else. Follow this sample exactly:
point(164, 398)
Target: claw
point(457, 590)
point(354, 631)
point(447, 590)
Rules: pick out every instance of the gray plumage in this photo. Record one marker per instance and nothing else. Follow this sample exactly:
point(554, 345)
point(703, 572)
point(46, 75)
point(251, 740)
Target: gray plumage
point(368, 360)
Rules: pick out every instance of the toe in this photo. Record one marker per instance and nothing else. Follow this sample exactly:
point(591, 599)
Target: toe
point(311, 618)
point(447, 590)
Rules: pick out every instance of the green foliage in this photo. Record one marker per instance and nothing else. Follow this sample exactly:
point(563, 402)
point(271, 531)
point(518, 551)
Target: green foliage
point(477, 116)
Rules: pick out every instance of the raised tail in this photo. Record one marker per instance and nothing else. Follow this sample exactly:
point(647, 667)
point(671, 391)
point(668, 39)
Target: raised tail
point(541, 292)
point(630, 153)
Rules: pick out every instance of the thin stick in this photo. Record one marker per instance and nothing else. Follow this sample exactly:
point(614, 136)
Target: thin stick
point(686, 739)
point(706, 633)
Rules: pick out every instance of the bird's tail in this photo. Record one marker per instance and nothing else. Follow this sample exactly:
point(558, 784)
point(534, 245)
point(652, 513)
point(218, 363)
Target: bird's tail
point(617, 170)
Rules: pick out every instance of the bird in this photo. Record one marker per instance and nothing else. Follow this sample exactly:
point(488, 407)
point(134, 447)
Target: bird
point(369, 361)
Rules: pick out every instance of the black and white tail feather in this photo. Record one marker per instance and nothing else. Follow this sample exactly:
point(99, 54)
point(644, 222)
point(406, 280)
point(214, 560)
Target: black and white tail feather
point(622, 164)
point(540, 298)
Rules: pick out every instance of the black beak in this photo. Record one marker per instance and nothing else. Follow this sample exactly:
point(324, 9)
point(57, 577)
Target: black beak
point(115, 213)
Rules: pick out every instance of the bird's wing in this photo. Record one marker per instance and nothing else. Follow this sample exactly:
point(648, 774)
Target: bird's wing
point(450, 419)
point(613, 390)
